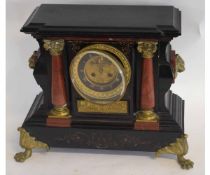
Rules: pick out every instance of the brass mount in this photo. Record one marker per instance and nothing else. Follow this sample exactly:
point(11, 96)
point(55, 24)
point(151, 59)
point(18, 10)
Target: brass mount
point(146, 116)
point(180, 65)
point(147, 48)
point(28, 143)
point(55, 47)
point(33, 60)
point(59, 112)
point(180, 149)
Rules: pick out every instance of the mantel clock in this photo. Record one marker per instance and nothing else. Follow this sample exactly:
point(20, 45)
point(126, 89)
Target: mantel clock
point(105, 73)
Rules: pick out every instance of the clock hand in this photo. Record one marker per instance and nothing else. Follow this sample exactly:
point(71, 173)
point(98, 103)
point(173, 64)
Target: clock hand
point(101, 64)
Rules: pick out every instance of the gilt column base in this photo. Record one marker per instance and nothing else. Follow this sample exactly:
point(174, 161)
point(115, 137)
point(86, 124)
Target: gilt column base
point(147, 120)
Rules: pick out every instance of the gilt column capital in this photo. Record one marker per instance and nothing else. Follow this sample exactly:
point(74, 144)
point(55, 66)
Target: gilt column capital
point(55, 47)
point(147, 48)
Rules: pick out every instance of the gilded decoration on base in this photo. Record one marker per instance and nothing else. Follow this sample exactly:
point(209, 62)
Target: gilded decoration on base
point(146, 116)
point(147, 48)
point(180, 65)
point(33, 60)
point(28, 143)
point(59, 112)
point(179, 148)
point(55, 47)
point(115, 107)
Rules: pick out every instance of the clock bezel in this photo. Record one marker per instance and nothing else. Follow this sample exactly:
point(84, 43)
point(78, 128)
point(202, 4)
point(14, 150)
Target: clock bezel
point(94, 96)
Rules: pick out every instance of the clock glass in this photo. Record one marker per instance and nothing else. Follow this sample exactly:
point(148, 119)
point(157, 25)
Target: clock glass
point(98, 76)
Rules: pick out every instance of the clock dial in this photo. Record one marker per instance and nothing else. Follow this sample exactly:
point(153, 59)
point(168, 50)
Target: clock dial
point(97, 72)
point(98, 76)
point(100, 70)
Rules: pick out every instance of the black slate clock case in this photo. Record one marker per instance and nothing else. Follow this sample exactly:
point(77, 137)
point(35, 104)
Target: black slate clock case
point(121, 27)
point(50, 21)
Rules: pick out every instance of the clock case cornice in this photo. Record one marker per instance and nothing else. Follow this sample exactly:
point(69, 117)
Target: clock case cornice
point(100, 20)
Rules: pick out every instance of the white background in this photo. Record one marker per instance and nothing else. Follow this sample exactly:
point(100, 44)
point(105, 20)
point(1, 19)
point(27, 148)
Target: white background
point(21, 90)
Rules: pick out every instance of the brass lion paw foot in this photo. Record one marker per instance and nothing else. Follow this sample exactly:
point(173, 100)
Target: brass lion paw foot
point(179, 148)
point(22, 156)
point(28, 143)
point(185, 163)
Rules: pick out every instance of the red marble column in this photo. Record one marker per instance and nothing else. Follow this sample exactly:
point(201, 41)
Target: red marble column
point(147, 98)
point(146, 118)
point(58, 85)
point(59, 115)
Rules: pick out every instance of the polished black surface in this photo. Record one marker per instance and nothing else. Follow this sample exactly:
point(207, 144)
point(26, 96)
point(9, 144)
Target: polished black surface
point(119, 139)
point(58, 19)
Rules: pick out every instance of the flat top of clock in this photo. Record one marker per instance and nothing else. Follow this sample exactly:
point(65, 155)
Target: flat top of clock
point(109, 19)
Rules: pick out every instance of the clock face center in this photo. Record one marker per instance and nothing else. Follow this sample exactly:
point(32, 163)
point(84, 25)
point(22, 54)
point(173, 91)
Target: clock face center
point(100, 70)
